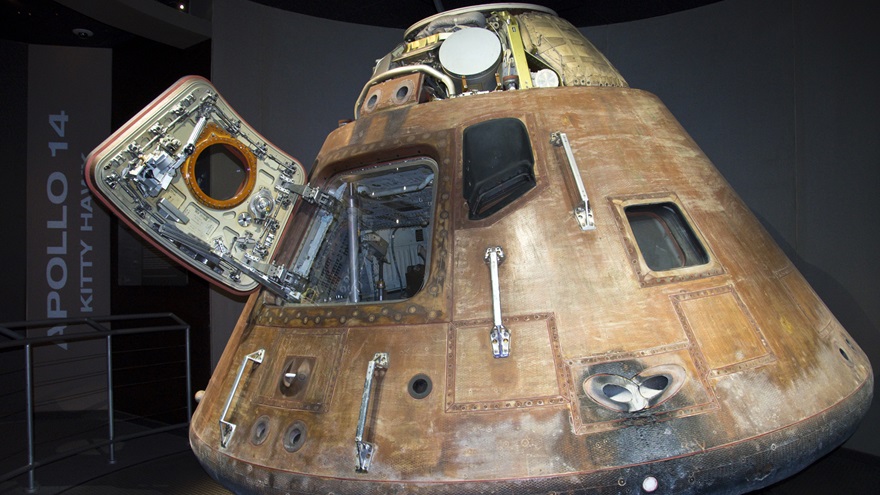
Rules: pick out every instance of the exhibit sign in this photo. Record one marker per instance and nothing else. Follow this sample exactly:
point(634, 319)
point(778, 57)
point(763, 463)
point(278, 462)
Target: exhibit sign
point(68, 239)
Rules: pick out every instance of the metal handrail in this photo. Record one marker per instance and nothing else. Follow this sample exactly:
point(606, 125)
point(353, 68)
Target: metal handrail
point(98, 324)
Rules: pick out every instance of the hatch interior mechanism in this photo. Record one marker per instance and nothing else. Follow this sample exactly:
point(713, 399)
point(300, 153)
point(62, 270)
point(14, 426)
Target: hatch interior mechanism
point(197, 181)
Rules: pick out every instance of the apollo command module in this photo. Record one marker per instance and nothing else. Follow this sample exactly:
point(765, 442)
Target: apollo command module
point(510, 273)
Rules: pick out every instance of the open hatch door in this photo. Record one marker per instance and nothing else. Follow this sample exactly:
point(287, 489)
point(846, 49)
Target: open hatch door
point(194, 179)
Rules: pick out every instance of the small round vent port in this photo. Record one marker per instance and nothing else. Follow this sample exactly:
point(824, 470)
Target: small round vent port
point(846, 349)
point(260, 430)
point(371, 103)
point(295, 436)
point(845, 356)
point(420, 386)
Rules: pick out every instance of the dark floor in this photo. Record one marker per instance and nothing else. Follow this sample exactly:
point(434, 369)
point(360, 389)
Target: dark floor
point(159, 463)
point(175, 474)
point(163, 464)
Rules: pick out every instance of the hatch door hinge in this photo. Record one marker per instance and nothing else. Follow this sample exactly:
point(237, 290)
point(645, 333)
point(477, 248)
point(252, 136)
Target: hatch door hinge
point(312, 195)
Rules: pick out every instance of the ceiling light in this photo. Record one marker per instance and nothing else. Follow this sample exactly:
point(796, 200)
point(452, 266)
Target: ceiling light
point(82, 33)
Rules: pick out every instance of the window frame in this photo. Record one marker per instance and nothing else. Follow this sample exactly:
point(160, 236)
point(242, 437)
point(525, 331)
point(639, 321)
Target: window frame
point(340, 175)
point(646, 276)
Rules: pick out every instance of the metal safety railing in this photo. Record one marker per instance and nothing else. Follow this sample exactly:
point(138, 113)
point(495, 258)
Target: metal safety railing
point(99, 328)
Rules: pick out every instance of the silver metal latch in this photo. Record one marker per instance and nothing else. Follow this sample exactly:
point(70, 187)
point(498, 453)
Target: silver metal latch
point(313, 195)
point(499, 335)
point(583, 213)
point(366, 450)
point(227, 428)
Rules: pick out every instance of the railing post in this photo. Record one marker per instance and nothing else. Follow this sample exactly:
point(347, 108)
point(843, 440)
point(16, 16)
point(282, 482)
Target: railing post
point(29, 404)
point(110, 419)
point(13, 340)
point(189, 396)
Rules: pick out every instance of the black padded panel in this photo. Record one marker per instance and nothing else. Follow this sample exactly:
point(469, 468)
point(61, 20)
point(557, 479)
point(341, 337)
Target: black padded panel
point(499, 165)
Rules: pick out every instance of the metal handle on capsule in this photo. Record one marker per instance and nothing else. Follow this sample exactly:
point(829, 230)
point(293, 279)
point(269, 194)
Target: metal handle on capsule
point(365, 450)
point(582, 211)
point(227, 428)
point(499, 335)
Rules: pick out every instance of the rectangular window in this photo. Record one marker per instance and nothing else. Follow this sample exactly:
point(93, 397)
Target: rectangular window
point(374, 244)
point(664, 237)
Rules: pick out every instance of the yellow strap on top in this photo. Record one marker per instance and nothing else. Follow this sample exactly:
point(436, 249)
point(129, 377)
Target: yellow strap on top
point(516, 46)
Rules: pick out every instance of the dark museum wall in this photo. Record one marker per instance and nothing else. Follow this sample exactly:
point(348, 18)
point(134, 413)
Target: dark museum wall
point(780, 95)
point(13, 109)
point(141, 69)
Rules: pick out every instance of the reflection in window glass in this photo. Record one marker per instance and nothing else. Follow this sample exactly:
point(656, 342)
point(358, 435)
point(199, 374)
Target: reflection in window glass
point(664, 237)
point(375, 243)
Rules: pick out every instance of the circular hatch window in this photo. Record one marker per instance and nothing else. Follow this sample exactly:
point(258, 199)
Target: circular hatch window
point(222, 171)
